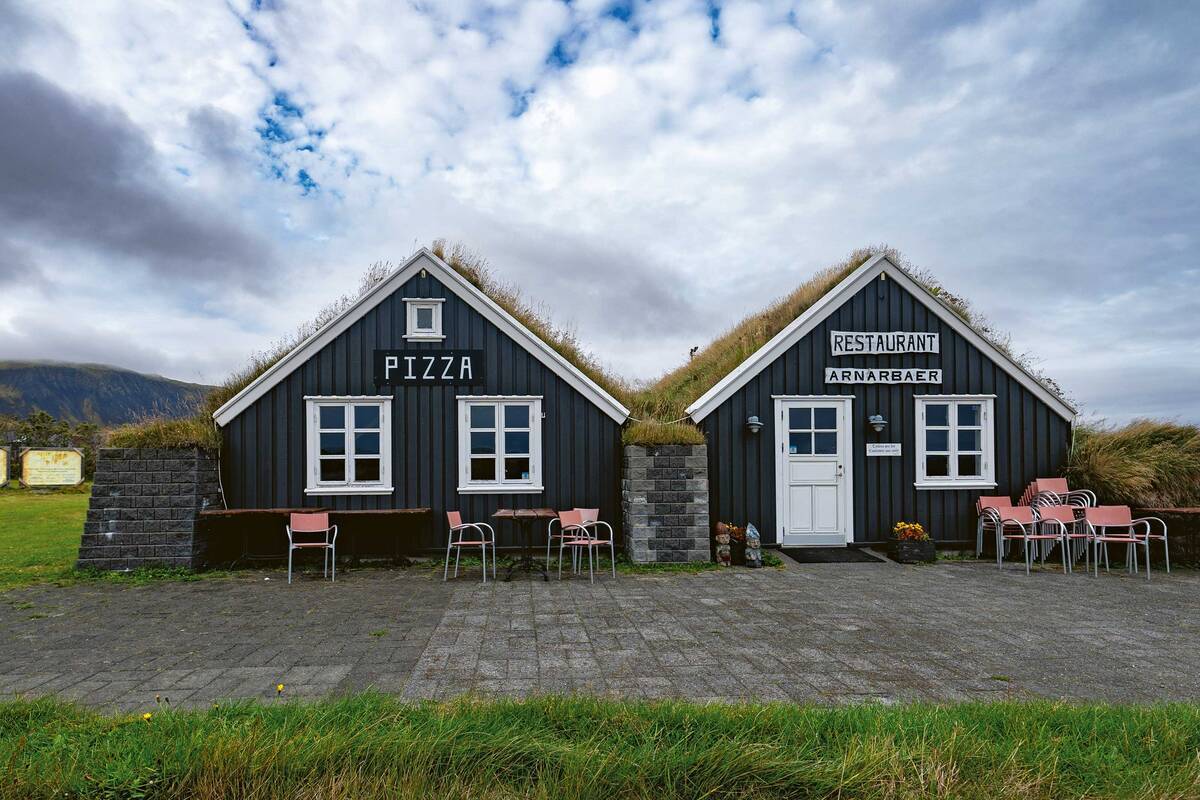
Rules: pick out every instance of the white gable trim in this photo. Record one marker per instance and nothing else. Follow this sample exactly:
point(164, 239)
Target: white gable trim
point(460, 286)
point(802, 325)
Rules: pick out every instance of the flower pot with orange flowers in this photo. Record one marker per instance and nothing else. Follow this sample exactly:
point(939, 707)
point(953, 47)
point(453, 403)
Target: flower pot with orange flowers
point(911, 544)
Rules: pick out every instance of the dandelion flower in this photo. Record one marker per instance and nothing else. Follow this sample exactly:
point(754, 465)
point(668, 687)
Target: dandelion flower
point(279, 688)
point(147, 716)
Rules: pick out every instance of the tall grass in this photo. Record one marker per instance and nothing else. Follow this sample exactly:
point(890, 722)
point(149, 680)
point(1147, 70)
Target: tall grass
point(374, 747)
point(1147, 463)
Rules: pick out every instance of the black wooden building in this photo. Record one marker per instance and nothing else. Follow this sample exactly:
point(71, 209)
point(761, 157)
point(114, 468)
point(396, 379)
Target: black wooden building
point(424, 393)
point(878, 404)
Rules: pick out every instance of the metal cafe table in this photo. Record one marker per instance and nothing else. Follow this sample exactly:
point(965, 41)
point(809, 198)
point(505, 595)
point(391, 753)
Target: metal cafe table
point(526, 518)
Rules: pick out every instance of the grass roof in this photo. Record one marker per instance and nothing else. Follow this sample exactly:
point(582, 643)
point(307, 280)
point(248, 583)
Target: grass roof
point(657, 409)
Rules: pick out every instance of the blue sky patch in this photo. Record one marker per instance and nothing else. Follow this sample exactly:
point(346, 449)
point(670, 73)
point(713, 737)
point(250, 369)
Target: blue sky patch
point(305, 182)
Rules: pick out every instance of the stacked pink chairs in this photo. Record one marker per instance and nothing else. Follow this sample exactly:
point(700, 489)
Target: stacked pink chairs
point(483, 537)
point(1069, 528)
point(1056, 492)
point(311, 524)
point(987, 510)
point(1101, 522)
point(1020, 523)
point(579, 530)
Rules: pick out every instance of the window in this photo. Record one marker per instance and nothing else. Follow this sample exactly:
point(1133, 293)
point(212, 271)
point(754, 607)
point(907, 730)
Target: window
point(812, 431)
point(424, 319)
point(500, 444)
point(349, 445)
point(955, 440)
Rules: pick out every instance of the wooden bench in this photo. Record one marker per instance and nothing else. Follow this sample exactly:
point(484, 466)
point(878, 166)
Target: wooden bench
point(218, 527)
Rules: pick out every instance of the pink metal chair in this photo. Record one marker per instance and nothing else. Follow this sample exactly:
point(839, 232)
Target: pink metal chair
point(313, 523)
point(987, 510)
point(1055, 492)
point(1101, 518)
point(590, 519)
point(1070, 529)
point(1023, 519)
point(486, 538)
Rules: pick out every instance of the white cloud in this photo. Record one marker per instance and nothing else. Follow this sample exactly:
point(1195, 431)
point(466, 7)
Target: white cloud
point(1039, 157)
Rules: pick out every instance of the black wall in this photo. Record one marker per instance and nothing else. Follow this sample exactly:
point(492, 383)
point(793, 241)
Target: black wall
point(263, 459)
point(1031, 439)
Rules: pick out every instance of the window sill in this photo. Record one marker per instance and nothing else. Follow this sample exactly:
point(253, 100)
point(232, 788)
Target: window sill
point(349, 490)
point(424, 337)
point(509, 489)
point(956, 485)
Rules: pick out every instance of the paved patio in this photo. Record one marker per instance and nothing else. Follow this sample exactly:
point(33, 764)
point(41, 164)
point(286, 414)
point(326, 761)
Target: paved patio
point(820, 633)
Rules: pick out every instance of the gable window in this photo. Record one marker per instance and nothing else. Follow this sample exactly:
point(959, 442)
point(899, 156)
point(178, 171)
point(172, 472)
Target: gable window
point(349, 445)
point(955, 442)
point(424, 319)
point(499, 444)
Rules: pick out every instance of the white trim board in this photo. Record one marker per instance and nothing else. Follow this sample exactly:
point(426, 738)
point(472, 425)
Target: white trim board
point(804, 324)
point(448, 277)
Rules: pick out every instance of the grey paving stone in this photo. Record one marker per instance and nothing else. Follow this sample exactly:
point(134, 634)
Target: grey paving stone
point(815, 633)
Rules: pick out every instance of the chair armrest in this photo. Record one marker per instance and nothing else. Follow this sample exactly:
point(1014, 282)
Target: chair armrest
point(1149, 530)
point(288, 530)
point(334, 530)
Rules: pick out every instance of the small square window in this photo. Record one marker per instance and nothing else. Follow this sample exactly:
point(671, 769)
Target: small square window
point(333, 417)
point(424, 318)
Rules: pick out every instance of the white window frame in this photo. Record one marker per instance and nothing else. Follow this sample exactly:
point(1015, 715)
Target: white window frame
point(500, 485)
point(313, 484)
point(414, 334)
point(987, 435)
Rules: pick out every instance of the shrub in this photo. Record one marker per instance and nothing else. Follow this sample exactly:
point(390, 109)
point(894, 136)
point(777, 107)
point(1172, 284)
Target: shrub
point(652, 433)
point(194, 431)
point(1147, 463)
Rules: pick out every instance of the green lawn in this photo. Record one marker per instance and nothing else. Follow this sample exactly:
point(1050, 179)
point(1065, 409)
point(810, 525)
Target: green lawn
point(39, 533)
point(39, 540)
point(371, 746)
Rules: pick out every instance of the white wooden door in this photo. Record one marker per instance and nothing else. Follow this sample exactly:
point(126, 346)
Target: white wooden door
point(813, 476)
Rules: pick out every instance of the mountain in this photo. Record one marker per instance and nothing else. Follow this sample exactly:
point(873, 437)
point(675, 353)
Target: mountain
point(93, 392)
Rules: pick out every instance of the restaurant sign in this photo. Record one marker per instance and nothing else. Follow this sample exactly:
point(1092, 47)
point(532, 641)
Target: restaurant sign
point(881, 375)
point(52, 466)
point(428, 367)
point(846, 343)
point(3, 466)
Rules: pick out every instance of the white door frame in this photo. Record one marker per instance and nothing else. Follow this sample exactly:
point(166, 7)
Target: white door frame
point(845, 449)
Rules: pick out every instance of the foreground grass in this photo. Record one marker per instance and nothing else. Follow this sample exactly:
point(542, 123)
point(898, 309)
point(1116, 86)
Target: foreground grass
point(39, 540)
point(371, 746)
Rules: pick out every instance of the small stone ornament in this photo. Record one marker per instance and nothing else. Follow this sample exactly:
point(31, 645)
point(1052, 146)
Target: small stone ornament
point(722, 537)
point(753, 546)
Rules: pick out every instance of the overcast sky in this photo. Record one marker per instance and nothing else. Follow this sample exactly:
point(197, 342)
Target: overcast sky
point(181, 183)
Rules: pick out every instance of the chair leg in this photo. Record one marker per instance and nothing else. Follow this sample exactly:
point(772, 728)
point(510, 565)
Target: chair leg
point(483, 554)
point(290, 551)
point(591, 572)
point(612, 555)
point(561, 542)
point(457, 556)
point(333, 562)
point(1147, 546)
point(1167, 554)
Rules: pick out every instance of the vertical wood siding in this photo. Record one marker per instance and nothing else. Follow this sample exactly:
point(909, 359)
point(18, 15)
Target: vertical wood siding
point(263, 460)
point(1031, 439)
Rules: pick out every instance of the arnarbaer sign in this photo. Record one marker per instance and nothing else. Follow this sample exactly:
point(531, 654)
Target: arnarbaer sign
point(885, 375)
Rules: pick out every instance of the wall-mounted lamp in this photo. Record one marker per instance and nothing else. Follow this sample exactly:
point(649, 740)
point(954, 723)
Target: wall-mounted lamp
point(878, 423)
point(753, 424)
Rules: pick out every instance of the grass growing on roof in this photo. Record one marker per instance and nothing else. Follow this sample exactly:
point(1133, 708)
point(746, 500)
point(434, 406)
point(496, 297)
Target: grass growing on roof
point(371, 746)
point(476, 270)
point(1146, 463)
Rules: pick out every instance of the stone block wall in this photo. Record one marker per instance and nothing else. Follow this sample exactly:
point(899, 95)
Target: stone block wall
point(664, 498)
point(144, 506)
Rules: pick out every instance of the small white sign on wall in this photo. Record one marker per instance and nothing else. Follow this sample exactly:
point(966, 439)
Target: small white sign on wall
point(883, 448)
